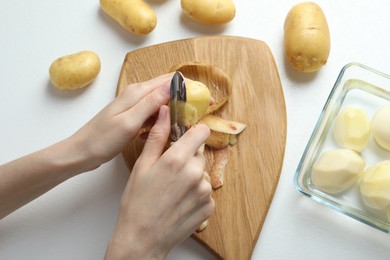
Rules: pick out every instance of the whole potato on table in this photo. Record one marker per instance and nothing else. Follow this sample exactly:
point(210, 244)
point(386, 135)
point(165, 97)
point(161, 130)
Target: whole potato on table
point(75, 70)
point(135, 16)
point(306, 37)
point(209, 11)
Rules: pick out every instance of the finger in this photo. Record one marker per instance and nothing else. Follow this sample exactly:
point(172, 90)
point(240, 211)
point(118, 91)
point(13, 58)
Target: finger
point(203, 214)
point(191, 141)
point(147, 106)
point(133, 93)
point(157, 139)
point(136, 91)
point(195, 217)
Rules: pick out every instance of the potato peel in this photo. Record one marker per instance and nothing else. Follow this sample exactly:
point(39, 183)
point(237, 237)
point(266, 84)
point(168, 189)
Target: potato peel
point(217, 172)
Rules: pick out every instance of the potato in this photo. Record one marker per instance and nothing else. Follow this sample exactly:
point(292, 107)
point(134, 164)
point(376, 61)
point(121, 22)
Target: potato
point(375, 186)
point(198, 95)
point(212, 12)
point(75, 70)
point(219, 83)
point(380, 127)
point(135, 16)
point(198, 100)
point(337, 170)
point(352, 128)
point(306, 37)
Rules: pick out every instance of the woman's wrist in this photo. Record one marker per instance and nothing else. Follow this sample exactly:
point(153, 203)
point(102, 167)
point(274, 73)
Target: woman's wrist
point(124, 249)
point(70, 157)
point(130, 241)
point(64, 159)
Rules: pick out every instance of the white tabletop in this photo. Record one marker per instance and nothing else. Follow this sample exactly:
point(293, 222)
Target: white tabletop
point(75, 219)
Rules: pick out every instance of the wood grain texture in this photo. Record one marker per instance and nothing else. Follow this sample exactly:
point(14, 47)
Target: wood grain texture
point(255, 162)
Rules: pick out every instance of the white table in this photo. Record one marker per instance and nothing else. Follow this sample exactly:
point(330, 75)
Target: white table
point(75, 220)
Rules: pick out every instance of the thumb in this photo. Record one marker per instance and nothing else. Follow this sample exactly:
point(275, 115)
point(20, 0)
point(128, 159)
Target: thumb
point(157, 138)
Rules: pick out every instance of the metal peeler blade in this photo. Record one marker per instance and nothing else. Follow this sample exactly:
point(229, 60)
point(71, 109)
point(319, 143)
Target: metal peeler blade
point(178, 97)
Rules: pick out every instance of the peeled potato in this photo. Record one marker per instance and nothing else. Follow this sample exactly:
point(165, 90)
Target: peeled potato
point(381, 127)
point(306, 37)
point(352, 128)
point(75, 70)
point(337, 170)
point(198, 100)
point(388, 214)
point(217, 81)
point(375, 186)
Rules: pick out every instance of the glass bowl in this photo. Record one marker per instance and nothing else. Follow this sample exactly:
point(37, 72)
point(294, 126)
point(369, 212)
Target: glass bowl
point(359, 86)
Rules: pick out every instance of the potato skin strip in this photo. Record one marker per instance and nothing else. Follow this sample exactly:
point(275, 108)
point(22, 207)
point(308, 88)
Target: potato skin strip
point(217, 172)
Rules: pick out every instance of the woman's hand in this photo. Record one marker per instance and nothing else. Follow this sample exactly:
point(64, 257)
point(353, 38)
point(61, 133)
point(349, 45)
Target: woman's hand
point(107, 134)
point(166, 197)
point(101, 139)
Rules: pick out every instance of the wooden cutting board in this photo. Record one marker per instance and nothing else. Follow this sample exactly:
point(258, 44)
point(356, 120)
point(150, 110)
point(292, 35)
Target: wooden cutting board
point(255, 162)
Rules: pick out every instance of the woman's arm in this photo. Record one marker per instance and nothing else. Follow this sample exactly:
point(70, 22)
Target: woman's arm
point(26, 178)
point(166, 197)
point(101, 139)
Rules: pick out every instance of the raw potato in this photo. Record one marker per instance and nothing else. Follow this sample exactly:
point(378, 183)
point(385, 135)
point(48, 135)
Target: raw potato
point(198, 100)
point(219, 83)
point(306, 37)
point(380, 127)
point(337, 170)
point(352, 128)
point(375, 186)
point(199, 96)
point(213, 12)
point(75, 70)
point(134, 15)
point(388, 214)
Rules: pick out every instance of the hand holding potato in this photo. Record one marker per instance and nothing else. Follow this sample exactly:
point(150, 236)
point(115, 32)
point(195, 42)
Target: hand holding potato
point(166, 197)
point(107, 134)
